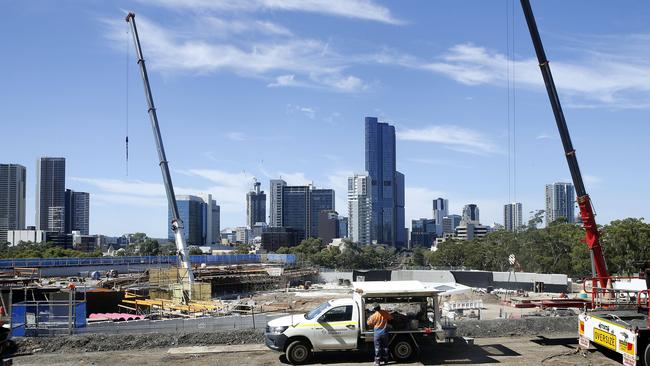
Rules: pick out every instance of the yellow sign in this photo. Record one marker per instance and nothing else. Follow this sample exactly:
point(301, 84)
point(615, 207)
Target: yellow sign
point(605, 339)
point(626, 347)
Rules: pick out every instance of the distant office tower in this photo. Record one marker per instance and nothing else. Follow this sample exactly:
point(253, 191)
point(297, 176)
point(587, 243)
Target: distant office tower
point(255, 205)
point(512, 216)
point(560, 202)
point(449, 223)
point(191, 210)
point(275, 219)
point(50, 193)
point(320, 200)
point(470, 214)
point(386, 184)
point(328, 225)
point(469, 231)
point(295, 209)
point(423, 233)
point(201, 220)
point(300, 206)
point(440, 210)
point(343, 227)
point(359, 209)
point(13, 178)
point(77, 212)
point(212, 225)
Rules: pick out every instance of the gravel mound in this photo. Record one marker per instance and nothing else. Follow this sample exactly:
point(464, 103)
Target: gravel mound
point(517, 327)
point(120, 342)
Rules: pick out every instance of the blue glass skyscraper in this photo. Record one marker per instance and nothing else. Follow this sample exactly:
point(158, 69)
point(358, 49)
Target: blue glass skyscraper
point(387, 184)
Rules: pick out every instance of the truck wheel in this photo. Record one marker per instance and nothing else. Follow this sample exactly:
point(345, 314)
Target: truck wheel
point(402, 350)
point(646, 356)
point(298, 352)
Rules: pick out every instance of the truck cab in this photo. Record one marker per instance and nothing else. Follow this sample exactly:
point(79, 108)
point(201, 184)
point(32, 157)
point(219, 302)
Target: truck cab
point(340, 324)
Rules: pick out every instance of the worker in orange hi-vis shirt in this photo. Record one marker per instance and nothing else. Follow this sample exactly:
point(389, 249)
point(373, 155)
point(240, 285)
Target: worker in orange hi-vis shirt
point(379, 321)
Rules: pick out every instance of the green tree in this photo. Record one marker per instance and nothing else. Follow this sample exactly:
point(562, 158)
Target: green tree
point(194, 250)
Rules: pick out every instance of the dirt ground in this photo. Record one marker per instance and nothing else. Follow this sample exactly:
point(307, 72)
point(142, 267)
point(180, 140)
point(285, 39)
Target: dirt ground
point(558, 349)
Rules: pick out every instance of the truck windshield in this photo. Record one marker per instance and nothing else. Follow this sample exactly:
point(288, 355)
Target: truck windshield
point(310, 315)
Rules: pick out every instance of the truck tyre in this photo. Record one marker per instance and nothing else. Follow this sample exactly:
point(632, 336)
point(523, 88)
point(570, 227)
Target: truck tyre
point(646, 356)
point(402, 349)
point(298, 352)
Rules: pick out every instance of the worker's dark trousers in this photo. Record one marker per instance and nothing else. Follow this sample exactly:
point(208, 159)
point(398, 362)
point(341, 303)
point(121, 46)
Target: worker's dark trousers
point(381, 345)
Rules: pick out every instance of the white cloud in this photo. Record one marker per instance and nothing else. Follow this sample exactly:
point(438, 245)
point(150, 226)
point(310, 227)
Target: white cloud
point(236, 136)
point(294, 178)
point(274, 55)
point(606, 79)
point(308, 112)
point(358, 9)
point(452, 137)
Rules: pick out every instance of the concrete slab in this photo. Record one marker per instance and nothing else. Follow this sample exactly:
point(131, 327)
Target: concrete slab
point(233, 348)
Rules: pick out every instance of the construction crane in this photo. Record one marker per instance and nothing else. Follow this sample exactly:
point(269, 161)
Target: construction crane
point(177, 222)
point(592, 236)
point(619, 318)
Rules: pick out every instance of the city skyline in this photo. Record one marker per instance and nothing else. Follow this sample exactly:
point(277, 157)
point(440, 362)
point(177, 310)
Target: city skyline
point(443, 90)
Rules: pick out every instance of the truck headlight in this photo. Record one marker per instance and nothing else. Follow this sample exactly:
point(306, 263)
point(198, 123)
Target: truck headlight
point(276, 330)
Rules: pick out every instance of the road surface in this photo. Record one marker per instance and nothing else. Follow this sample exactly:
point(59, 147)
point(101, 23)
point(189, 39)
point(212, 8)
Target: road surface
point(514, 351)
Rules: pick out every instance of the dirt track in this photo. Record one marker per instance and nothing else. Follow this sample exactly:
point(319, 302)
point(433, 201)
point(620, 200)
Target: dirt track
point(503, 350)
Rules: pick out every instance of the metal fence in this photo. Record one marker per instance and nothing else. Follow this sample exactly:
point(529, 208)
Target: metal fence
point(33, 318)
point(152, 260)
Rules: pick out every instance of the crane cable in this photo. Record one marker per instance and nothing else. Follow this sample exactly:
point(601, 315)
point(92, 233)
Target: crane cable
point(127, 102)
point(511, 101)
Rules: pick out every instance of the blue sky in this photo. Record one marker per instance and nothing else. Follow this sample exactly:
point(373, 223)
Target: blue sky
point(270, 88)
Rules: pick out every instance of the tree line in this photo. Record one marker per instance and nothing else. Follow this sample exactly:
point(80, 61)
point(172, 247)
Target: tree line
point(557, 248)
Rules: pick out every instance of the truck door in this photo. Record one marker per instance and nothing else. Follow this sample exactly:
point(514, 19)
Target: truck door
point(337, 329)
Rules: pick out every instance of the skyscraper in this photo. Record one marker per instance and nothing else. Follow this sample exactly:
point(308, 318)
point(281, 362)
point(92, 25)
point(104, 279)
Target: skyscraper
point(255, 205)
point(423, 233)
point(440, 210)
point(50, 194)
point(560, 202)
point(77, 212)
point(386, 184)
point(450, 223)
point(200, 217)
point(300, 208)
point(275, 219)
point(295, 210)
point(512, 216)
point(212, 224)
point(13, 178)
point(359, 209)
point(470, 214)
point(328, 225)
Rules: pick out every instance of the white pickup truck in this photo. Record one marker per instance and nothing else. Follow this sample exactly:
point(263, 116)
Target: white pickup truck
point(340, 324)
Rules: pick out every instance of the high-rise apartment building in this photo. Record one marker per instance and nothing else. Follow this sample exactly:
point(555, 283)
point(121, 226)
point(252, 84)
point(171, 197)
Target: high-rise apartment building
point(513, 216)
point(275, 217)
point(470, 214)
point(199, 220)
point(77, 212)
point(50, 194)
point(255, 205)
point(560, 202)
point(440, 210)
point(386, 184)
point(359, 209)
point(13, 178)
